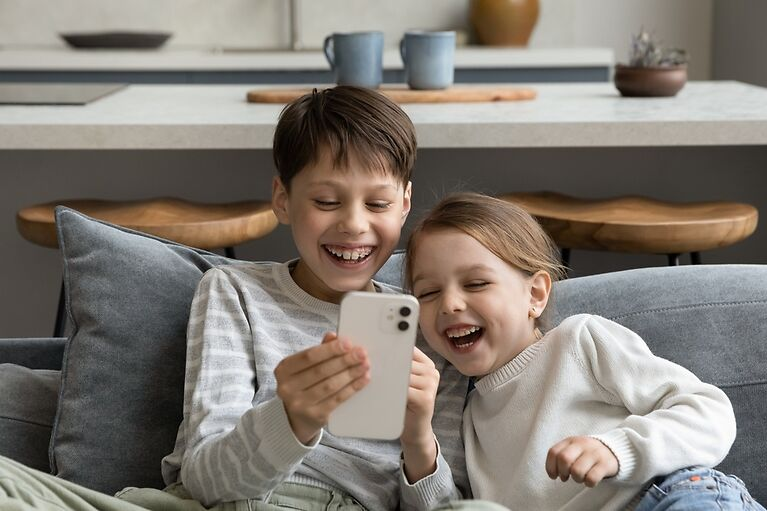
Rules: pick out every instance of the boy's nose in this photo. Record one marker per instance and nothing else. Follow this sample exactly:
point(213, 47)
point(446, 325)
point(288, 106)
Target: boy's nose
point(353, 222)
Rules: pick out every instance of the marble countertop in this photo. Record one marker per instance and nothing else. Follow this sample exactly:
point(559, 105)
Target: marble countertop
point(563, 115)
point(65, 59)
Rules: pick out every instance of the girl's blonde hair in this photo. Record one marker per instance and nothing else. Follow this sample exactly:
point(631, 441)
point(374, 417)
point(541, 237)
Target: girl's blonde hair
point(505, 229)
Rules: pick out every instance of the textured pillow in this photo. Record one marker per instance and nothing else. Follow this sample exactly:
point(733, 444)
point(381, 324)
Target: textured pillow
point(27, 407)
point(128, 296)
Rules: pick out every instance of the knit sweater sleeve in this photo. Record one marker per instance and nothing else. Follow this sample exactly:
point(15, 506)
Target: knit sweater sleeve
point(676, 420)
point(234, 450)
point(445, 484)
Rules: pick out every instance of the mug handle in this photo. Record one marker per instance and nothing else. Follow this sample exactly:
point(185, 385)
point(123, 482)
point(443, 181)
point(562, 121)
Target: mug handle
point(402, 50)
point(327, 47)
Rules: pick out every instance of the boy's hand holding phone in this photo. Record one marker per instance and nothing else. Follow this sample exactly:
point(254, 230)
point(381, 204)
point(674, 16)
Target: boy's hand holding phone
point(313, 382)
point(419, 449)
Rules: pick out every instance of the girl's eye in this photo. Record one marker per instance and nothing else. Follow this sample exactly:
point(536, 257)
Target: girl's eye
point(425, 294)
point(477, 285)
point(379, 205)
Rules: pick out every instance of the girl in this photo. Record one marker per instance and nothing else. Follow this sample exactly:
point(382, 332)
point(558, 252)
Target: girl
point(587, 403)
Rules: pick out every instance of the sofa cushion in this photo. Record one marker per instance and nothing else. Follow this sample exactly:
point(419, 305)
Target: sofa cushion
point(127, 296)
point(709, 319)
point(27, 409)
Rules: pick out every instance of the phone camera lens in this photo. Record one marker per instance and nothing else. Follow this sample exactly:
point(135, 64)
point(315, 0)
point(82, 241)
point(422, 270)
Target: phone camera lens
point(404, 311)
point(403, 325)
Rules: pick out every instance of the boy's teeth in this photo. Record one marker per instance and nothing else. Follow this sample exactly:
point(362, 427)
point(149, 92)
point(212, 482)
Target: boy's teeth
point(350, 255)
point(461, 332)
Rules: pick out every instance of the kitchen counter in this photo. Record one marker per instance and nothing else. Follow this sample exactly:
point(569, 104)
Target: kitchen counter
point(472, 64)
point(563, 115)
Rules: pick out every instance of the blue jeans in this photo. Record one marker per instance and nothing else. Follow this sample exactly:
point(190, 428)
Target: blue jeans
point(695, 488)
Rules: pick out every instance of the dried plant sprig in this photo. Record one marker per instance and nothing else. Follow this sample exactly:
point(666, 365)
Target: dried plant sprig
point(647, 52)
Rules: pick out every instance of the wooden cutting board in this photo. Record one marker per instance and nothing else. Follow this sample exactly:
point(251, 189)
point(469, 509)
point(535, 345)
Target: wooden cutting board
point(457, 94)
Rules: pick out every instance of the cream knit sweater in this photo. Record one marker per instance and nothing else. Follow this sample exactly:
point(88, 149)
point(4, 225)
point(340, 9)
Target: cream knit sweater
point(589, 376)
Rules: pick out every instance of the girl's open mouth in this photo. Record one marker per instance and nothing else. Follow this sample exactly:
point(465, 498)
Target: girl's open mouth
point(463, 338)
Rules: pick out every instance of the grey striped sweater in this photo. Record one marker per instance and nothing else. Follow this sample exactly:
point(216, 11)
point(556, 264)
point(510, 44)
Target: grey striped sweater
point(235, 441)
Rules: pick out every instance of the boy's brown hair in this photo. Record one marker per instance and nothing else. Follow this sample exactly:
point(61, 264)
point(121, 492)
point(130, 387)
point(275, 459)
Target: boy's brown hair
point(505, 229)
point(345, 120)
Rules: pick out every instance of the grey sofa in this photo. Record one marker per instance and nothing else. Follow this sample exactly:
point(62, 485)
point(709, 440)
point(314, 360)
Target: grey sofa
point(102, 407)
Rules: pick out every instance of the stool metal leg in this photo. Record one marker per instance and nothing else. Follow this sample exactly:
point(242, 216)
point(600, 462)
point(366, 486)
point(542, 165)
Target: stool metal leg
point(673, 259)
point(566, 256)
point(695, 257)
point(229, 252)
point(58, 327)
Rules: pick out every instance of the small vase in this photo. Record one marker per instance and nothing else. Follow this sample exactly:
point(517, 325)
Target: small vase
point(662, 81)
point(504, 22)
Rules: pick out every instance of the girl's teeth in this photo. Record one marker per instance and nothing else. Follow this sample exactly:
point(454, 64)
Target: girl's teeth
point(461, 332)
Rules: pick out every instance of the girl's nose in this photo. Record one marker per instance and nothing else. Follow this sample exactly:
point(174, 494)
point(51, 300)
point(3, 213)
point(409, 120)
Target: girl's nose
point(452, 302)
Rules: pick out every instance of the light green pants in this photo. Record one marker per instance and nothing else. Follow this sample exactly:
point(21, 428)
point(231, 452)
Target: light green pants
point(25, 489)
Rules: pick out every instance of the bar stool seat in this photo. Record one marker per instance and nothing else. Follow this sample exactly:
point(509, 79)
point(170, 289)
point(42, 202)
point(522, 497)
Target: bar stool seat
point(200, 225)
point(639, 224)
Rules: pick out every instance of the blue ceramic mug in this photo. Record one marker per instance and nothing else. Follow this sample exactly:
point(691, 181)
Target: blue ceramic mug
point(356, 58)
point(428, 58)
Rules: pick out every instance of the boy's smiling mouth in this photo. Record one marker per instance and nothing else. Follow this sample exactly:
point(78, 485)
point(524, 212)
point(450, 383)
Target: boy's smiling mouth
point(463, 337)
point(347, 255)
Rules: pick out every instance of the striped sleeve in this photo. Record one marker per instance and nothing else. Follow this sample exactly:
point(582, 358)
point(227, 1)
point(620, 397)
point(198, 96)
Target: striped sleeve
point(234, 450)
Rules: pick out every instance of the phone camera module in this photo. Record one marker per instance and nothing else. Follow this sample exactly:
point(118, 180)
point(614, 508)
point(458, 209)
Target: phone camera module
point(403, 325)
point(404, 312)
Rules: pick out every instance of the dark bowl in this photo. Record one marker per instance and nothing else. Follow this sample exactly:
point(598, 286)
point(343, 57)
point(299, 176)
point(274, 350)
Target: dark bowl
point(661, 81)
point(116, 39)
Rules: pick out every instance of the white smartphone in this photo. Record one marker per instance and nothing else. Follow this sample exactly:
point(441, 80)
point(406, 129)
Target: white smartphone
point(385, 324)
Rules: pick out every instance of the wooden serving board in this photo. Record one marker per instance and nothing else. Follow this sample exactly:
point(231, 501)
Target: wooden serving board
point(457, 94)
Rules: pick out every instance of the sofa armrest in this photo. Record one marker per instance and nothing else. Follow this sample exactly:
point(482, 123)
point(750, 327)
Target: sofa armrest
point(34, 353)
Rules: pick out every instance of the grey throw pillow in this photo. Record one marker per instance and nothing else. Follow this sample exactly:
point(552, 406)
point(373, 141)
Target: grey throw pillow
point(27, 407)
point(128, 296)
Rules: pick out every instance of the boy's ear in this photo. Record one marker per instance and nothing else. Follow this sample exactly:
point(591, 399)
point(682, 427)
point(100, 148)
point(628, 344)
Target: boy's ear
point(280, 201)
point(540, 289)
point(406, 201)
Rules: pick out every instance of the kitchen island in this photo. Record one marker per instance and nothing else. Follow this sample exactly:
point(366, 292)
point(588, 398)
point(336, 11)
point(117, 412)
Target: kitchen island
point(207, 143)
point(142, 117)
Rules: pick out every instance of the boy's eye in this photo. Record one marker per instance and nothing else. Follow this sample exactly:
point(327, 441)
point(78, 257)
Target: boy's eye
point(326, 204)
point(379, 205)
point(476, 285)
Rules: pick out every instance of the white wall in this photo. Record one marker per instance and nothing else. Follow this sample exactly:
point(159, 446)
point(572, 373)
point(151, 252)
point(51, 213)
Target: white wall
point(740, 41)
point(265, 24)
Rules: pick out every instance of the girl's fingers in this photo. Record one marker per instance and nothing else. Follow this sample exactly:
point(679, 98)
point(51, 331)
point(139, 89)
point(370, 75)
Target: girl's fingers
point(326, 388)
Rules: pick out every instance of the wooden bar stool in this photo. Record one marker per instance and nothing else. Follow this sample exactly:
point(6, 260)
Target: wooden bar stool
point(200, 225)
point(638, 224)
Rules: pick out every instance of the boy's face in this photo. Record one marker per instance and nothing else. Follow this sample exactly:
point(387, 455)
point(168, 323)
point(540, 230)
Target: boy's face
point(475, 308)
point(345, 223)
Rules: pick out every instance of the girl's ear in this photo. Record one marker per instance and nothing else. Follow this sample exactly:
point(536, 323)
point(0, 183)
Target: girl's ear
point(280, 201)
point(540, 288)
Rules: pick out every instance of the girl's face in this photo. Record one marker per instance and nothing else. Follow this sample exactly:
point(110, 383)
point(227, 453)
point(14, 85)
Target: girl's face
point(476, 310)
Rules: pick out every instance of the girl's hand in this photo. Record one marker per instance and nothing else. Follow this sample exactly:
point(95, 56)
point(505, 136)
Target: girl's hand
point(419, 448)
point(313, 382)
point(585, 459)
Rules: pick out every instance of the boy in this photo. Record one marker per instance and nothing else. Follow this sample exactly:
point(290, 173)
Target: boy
point(260, 385)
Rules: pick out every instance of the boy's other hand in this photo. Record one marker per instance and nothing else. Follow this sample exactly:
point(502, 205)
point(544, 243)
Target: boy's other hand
point(313, 382)
point(585, 459)
point(419, 448)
